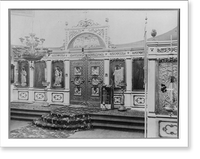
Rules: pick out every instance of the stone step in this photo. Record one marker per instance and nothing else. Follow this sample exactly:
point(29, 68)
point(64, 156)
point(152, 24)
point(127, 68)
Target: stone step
point(26, 114)
point(117, 126)
point(24, 118)
point(21, 113)
point(114, 119)
point(30, 110)
point(117, 115)
point(117, 119)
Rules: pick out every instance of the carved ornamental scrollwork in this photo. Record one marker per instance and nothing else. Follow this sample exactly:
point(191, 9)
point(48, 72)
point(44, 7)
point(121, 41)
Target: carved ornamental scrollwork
point(86, 23)
point(78, 81)
point(168, 129)
point(168, 86)
point(73, 33)
point(95, 81)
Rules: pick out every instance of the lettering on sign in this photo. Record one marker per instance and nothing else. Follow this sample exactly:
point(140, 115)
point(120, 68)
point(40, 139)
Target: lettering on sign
point(117, 53)
point(137, 52)
point(167, 50)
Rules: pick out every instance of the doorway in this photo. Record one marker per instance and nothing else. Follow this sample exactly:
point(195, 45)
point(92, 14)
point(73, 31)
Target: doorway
point(86, 77)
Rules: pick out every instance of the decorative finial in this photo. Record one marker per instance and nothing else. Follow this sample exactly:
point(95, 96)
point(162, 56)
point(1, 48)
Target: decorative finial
point(66, 23)
point(85, 12)
point(146, 20)
point(107, 20)
point(153, 33)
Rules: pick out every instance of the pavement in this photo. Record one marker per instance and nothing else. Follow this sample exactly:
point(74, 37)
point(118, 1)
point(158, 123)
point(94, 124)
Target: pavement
point(85, 134)
point(16, 124)
point(106, 134)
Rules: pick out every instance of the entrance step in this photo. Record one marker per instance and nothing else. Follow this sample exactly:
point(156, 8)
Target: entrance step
point(118, 122)
point(78, 117)
point(23, 118)
point(26, 114)
point(117, 126)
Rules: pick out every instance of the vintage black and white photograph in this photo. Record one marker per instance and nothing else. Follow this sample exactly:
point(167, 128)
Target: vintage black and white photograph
point(140, 51)
point(94, 73)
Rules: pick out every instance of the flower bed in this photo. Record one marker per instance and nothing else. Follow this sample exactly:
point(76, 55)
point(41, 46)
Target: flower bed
point(67, 118)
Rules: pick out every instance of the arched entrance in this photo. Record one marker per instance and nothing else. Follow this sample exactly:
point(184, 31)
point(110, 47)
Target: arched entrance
point(86, 74)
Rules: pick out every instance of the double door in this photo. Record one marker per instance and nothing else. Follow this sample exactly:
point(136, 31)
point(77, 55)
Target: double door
point(86, 77)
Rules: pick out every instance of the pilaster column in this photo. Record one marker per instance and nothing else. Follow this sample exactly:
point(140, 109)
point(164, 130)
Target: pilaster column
point(151, 97)
point(128, 95)
point(31, 74)
point(106, 71)
point(48, 62)
point(31, 81)
point(67, 82)
point(128, 75)
point(67, 74)
point(48, 78)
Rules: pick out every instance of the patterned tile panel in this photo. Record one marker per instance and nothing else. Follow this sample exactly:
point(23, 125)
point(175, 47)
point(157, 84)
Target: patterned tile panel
point(39, 96)
point(23, 95)
point(58, 97)
point(168, 129)
point(138, 100)
point(117, 99)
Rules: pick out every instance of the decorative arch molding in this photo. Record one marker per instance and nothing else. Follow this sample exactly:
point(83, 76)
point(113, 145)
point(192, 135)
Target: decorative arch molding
point(86, 40)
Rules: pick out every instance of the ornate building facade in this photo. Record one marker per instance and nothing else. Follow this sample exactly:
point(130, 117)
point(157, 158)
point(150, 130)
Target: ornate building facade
point(75, 73)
